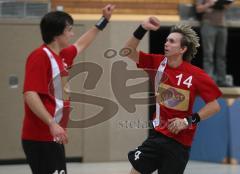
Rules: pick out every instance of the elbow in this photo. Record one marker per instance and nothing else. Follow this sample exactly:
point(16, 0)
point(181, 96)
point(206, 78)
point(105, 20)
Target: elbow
point(28, 95)
point(25, 96)
point(217, 107)
point(126, 46)
point(127, 51)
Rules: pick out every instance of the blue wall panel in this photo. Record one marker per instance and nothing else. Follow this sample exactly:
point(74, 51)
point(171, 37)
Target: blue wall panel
point(211, 142)
point(234, 118)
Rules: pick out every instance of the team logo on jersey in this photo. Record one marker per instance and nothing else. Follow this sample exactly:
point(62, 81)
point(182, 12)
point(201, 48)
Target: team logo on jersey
point(172, 97)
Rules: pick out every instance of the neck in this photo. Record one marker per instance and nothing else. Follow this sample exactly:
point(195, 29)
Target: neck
point(54, 47)
point(174, 62)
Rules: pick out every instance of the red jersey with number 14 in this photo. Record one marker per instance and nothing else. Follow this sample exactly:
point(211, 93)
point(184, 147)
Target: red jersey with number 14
point(177, 92)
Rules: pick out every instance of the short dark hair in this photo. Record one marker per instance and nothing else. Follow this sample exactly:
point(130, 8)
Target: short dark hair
point(189, 39)
point(53, 24)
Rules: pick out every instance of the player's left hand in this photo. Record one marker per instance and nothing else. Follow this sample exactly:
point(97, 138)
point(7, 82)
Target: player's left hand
point(175, 125)
point(107, 11)
point(151, 23)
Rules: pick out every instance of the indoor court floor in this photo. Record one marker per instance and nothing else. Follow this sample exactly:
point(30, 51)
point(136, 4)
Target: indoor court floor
point(193, 167)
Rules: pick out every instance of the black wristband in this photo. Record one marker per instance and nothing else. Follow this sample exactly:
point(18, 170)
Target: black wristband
point(193, 119)
point(139, 32)
point(102, 23)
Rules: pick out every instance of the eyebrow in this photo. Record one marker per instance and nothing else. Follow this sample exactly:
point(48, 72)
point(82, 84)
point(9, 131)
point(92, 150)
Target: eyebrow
point(169, 39)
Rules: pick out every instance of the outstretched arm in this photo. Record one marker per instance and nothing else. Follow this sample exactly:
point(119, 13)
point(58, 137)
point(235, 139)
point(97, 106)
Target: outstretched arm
point(87, 38)
point(152, 23)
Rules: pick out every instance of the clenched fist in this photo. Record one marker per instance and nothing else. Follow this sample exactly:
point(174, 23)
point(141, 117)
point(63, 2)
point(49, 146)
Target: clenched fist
point(152, 23)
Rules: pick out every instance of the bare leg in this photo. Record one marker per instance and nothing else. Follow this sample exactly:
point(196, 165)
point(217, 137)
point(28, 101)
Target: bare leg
point(133, 171)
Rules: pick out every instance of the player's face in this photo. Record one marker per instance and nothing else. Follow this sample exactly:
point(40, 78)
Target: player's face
point(63, 39)
point(172, 47)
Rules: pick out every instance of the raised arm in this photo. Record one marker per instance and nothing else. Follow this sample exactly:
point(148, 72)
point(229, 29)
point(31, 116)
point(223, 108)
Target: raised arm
point(86, 39)
point(152, 23)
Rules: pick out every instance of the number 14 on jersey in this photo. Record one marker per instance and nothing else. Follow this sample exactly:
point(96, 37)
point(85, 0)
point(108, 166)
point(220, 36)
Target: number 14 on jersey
point(187, 81)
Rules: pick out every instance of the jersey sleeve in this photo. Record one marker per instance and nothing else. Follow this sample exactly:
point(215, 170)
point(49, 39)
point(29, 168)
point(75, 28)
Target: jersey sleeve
point(207, 88)
point(37, 73)
point(150, 63)
point(68, 54)
point(145, 61)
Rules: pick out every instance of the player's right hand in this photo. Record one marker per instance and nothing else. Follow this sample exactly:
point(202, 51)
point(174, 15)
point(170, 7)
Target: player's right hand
point(58, 133)
point(151, 23)
point(175, 125)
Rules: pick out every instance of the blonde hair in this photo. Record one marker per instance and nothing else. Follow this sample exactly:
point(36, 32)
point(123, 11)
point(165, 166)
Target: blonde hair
point(189, 39)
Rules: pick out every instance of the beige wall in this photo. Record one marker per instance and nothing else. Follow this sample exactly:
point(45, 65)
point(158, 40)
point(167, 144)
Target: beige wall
point(103, 142)
point(108, 141)
point(16, 42)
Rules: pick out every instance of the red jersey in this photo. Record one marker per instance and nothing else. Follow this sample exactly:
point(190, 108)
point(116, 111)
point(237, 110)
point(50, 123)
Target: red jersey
point(178, 89)
point(46, 73)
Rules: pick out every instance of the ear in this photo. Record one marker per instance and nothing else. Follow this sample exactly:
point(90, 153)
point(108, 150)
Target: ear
point(55, 38)
point(183, 49)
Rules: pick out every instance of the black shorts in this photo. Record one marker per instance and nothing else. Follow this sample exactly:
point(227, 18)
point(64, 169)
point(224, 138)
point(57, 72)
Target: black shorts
point(45, 157)
point(159, 152)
